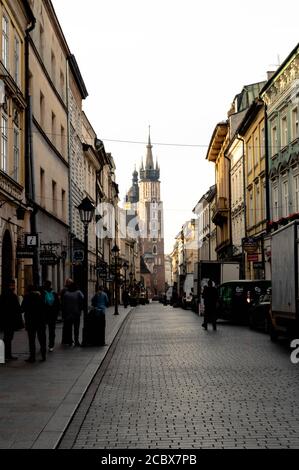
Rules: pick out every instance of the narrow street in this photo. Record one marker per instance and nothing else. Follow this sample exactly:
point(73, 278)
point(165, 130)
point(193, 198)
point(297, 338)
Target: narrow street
point(167, 383)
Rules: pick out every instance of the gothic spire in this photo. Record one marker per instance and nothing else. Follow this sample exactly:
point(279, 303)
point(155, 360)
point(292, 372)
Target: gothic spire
point(149, 165)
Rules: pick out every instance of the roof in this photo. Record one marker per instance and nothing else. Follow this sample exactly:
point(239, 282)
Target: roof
point(217, 140)
point(280, 69)
point(255, 107)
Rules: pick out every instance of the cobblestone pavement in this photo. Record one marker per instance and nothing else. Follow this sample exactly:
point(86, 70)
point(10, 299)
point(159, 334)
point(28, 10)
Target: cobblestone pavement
point(170, 384)
point(37, 400)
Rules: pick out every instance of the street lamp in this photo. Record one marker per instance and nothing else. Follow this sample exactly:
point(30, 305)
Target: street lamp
point(115, 252)
point(86, 210)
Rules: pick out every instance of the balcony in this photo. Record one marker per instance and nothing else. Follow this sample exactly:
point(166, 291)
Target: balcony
point(221, 211)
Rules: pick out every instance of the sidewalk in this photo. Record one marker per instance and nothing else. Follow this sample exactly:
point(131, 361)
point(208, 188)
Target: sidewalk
point(38, 400)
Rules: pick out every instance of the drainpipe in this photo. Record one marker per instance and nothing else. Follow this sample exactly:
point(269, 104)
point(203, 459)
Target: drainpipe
point(229, 199)
point(71, 235)
point(29, 167)
point(267, 185)
point(267, 165)
point(244, 198)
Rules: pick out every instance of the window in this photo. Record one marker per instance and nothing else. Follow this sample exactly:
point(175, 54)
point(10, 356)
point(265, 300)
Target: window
point(41, 40)
point(262, 143)
point(5, 42)
point(4, 143)
point(275, 202)
point(53, 67)
point(250, 215)
point(295, 127)
point(285, 193)
point(63, 204)
point(62, 135)
point(53, 128)
point(16, 153)
point(257, 204)
point(42, 109)
point(263, 200)
point(42, 187)
point(274, 140)
point(284, 131)
point(154, 249)
point(296, 193)
point(54, 197)
point(249, 155)
point(256, 149)
point(62, 84)
point(17, 60)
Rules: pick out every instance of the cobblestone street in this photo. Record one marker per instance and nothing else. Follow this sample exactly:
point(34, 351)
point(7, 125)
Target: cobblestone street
point(169, 384)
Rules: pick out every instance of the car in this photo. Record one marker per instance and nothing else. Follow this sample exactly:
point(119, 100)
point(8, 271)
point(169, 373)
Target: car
point(235, 299)
point(259, 313)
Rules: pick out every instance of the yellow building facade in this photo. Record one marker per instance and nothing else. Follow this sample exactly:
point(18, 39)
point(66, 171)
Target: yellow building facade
point(252, 130)
point(221, 210)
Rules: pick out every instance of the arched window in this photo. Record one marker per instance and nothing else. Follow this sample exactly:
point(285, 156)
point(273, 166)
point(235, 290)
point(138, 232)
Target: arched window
point(154, 249)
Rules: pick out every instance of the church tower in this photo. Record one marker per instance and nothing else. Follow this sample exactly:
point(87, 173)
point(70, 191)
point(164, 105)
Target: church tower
point(150, 214)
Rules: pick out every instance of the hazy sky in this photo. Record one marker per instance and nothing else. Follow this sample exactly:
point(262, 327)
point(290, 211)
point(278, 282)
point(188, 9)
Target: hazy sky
point(177, 66)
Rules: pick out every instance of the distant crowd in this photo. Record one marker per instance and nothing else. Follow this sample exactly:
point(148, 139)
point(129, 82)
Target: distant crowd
point(38, 313)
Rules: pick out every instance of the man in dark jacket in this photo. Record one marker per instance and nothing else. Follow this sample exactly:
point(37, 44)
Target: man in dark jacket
point(51, 305)
point(10, 317)
point(35, 321)
point(210, 296)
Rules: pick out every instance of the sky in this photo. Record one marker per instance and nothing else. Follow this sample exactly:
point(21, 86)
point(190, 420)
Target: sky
point(176, 66)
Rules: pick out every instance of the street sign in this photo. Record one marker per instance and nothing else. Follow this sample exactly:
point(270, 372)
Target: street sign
point(253, 257)
point(24, 252)
point(48, 258)
point(78, 256)
point(31, 239)
point(250, 245)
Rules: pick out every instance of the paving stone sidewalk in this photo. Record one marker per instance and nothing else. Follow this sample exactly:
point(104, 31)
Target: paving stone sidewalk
point(38, 400)
point(171, 384)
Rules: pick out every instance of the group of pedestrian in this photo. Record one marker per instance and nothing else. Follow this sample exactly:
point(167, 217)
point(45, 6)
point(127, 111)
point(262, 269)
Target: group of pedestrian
point(41, 308)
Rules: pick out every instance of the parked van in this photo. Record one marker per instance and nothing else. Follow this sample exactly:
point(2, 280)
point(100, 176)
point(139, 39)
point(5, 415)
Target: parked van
point(237, 297)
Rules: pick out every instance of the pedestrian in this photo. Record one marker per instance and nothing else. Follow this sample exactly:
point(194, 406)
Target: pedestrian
point(125, 298)
point(210, 296)
point(35, 321)
point(10, 317)
point(72, 306)
point(52, 306)
point(100, 302)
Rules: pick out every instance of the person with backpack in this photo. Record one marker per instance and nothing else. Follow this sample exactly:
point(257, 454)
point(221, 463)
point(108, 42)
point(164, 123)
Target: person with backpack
point(52, 306)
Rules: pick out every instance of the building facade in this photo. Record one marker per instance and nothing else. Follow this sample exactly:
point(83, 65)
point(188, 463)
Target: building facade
point(16, 20)
point(206, 229)
point(280, 96)
point(48, 54)
point(252, 131)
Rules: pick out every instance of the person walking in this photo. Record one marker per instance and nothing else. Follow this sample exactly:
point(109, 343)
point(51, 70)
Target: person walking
point(100, 302)
point(210, 296)
point(52, 306)
point(125, 298)
point(35, 321)
point(10, 317)
point(72, 306)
